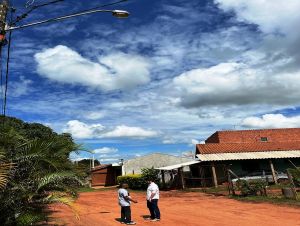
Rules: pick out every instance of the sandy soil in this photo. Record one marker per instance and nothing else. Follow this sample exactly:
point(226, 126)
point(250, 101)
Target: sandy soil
point(178, 209)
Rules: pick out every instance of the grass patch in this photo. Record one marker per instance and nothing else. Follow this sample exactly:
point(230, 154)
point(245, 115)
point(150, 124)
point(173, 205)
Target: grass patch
point(277, 200)
point(88, 189)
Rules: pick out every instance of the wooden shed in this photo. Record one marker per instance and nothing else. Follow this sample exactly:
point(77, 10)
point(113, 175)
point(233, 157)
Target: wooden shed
point(105, 175)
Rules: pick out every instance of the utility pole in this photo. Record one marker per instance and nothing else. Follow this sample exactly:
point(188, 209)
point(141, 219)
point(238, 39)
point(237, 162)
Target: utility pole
point(4, 6)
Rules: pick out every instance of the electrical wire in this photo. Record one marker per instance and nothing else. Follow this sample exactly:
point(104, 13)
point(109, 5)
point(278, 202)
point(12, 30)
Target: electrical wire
point(1, 82)
point(108, 4)
point(23, 16)
point(6, 74)
point(34, 7)
point(4, 102)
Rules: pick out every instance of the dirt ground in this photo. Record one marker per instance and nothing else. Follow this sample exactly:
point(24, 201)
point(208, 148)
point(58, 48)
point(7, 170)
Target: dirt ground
point(100, 208)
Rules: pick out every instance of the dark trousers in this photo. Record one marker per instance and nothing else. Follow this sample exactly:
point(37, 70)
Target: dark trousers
point(125, 214)
point(153, 208)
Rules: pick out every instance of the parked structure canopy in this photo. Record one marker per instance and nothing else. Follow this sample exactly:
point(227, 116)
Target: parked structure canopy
point(176, 166)
point(249, 155)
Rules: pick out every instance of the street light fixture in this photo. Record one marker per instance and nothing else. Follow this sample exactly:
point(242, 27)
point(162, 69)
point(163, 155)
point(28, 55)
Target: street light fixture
point(120, 13)
point(115, 13)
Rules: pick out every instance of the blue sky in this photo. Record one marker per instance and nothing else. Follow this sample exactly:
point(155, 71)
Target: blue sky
point(161, 80)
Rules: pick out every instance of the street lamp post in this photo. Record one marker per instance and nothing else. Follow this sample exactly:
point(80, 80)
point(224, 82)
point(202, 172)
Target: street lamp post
point(115, 13)
point(11, 26)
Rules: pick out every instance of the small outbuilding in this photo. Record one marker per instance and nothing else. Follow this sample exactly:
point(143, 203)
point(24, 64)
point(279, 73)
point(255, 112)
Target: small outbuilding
point(105, 175)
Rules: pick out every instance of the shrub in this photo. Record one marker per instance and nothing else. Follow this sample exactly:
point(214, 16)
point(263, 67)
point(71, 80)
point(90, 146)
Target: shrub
point(251, 187)
point(135, 181)
point(295, 173)
point(139, 181)
point(151, 174)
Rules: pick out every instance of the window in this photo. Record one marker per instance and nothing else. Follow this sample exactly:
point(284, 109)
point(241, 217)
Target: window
point(264, 139)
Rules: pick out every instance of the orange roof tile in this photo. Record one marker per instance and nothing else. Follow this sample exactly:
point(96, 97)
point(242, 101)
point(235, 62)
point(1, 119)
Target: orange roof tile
point(213, 148)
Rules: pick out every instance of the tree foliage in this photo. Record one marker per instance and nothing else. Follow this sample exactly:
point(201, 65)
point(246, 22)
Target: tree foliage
point(140, 181)
point(39, 172)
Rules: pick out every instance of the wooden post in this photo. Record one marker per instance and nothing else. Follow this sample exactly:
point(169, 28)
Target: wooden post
point(181, 177)
point(273, 172)
point(213, 169)
point(293, 187)
point(163, 178)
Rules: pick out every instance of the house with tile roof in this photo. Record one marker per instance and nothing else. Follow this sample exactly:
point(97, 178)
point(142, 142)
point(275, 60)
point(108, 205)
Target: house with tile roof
point(247, 153)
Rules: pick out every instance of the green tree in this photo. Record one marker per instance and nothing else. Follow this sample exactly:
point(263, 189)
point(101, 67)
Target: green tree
point(42, 172)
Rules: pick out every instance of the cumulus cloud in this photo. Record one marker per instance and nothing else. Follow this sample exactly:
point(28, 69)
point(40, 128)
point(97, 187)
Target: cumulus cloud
point(268, 75)
point(81, 130)
point(236, 84)
point(272, 121)
point(94, 115)
point(271, 16)
point(105, 150)
point(117, 71)
point(127, 131)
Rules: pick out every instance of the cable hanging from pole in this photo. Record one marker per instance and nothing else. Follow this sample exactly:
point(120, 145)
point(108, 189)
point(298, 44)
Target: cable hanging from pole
point(1, 83)
point(34, 7)
point(6, 74)
point(23, 16)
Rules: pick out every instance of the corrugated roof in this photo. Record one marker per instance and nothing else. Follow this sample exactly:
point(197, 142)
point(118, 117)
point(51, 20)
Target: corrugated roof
point(176, 166)
point(249, 155)
point(214, 148)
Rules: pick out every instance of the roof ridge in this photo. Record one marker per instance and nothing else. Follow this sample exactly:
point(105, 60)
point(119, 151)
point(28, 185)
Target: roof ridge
point(241, 130)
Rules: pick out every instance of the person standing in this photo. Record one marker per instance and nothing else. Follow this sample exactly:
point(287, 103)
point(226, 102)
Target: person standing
point(125, 201)
point(152, 201)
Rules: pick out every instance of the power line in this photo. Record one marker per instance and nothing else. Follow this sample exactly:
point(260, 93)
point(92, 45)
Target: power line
point(1, 83)
point(34, 7)
point(7, 73)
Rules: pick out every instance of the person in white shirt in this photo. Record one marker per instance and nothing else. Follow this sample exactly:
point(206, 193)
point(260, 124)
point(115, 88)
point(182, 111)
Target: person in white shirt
point(124, 202)
point(152, 200)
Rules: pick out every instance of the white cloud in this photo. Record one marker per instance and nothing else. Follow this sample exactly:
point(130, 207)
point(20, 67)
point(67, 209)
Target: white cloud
point(117, 71)
point(82, 130)
point(127, 131)
point(105, 150)
point(94, 115)
point(21, 87)
point(237, 84)
point(194, 142)
point(272, 121)
point(271, 16)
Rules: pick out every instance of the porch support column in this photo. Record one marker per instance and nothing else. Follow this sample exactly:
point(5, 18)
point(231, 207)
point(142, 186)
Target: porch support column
point(163, 178)
point(273, 172)
point(214, 174)
point(181, 177)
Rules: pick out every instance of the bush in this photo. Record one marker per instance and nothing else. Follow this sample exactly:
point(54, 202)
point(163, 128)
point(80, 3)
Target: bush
point(251, 187)
point(139, 181)
point(135, 181)
point(151, 174)
point(295, 173)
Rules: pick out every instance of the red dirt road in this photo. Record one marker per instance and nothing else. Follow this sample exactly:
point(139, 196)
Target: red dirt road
point(179, 209)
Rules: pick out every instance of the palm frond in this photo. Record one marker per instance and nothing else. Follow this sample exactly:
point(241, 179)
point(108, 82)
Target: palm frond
point(30, 218)
point(53, 178)
point(63, 198)
point(4, 171)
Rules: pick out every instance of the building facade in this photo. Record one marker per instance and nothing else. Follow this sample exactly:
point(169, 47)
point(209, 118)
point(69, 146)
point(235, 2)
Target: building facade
point(155, 160)
point(105, 175)
point(247, 153)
